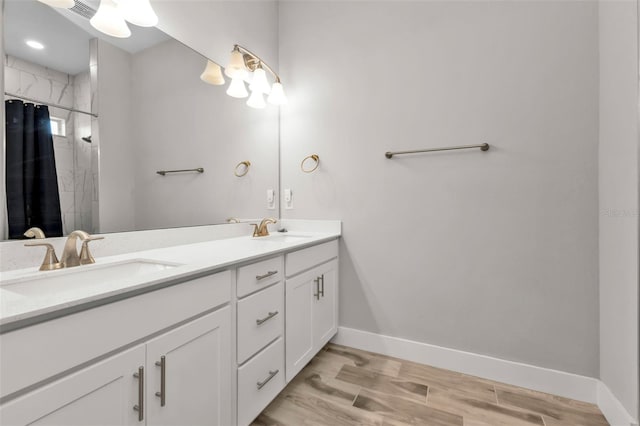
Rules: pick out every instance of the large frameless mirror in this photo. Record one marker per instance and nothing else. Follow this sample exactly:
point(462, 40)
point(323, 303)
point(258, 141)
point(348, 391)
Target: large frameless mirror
point(139, 141)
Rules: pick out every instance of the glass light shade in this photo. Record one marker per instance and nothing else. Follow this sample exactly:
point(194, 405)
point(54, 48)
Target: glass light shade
point(212, 74)
point(66, 4)
point(236, 88)
point(138, 12)
point(277, 97)
point(109, 20)
point(259, 82)
point(236, 65)
point(256, 100)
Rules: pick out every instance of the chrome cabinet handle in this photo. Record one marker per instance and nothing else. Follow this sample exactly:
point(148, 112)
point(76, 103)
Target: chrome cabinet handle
point(322, 288)
point(267, 318)
point(272, 374)
point(163, 380)
point(267, 275)
point(317, 293)
point(139, 407)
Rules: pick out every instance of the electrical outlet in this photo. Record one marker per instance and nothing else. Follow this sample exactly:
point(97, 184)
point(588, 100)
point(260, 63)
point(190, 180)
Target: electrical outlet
point(271, 199)
point(288, 199)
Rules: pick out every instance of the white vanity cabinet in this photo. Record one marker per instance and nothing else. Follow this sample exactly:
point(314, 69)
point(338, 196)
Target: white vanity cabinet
point(175, 368)
point(260, 336)
point(311, 303)
point(188, 377)
point(101, 394)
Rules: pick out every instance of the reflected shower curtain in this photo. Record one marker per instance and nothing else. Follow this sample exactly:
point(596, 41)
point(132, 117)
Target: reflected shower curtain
point(32, 182)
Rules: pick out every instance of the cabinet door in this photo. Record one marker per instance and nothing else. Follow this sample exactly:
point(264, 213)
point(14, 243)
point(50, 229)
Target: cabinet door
point(325, 307)
point(189, 377)
point(101, 394)
point(299, 297)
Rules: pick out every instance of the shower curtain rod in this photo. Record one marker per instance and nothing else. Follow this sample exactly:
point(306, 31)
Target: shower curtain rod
point(50, 104)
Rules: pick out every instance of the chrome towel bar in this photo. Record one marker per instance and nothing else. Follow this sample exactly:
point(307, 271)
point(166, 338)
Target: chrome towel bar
point(483, 147)
point(164, 172)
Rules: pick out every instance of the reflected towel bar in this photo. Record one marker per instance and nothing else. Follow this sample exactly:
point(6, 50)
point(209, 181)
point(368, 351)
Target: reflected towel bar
point(164, 172)
point(483, 147)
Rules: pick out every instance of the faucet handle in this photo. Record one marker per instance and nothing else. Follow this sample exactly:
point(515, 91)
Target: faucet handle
point(255, 229)
point(50, 261)
point(85, 255)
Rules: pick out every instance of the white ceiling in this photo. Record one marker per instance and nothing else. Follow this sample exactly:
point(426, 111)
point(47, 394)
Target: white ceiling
point(65, 35)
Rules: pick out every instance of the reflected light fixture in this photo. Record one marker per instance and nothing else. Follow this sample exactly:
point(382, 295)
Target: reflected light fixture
point(34, 44)
point(109, 20)
point(246, 65)
point(138, 12)
point(236, 88)
point(212, 74)
point(65, 4)
point(256, 100)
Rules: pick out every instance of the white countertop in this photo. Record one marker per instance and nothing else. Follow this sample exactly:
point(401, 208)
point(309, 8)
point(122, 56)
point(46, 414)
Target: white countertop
point(190, 260)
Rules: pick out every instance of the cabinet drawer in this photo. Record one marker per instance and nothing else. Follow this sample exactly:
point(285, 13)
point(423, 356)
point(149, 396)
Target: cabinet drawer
point(260, 320)
point(259, 381)
point(258, 275)
point(304, 259)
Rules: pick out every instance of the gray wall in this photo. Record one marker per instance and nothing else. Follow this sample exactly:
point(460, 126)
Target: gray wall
point(619, 200)
point(117, 162)
point(494, 253)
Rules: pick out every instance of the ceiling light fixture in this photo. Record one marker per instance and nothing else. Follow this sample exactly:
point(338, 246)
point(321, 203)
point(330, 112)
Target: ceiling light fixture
point(246, 65)
point(34, 44)
point(65, 4)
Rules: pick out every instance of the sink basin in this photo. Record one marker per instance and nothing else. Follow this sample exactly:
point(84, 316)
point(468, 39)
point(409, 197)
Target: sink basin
point(283, 238)
point(82, 278)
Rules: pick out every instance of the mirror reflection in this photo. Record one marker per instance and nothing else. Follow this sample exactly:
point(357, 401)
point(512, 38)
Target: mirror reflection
point(92, 120)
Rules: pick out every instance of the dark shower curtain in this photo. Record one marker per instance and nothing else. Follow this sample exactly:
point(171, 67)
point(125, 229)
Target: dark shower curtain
point(32, 183)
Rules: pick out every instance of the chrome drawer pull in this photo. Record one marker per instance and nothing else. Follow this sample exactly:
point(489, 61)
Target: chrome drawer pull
point(163, 380)
point(267, 318)
point(322, 288)
point(317, 293)
point(140, 406)
point(272, 374)
point(267, 275)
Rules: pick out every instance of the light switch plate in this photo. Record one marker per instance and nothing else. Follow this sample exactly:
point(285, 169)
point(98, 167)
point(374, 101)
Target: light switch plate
point(271, 199)
point(288, 199)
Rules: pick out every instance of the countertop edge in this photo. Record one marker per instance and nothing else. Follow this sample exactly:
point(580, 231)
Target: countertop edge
point(22, 320)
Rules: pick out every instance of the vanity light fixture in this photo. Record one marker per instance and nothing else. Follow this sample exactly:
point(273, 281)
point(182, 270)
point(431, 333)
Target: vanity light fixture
point(212, 74)
point(65, 4)
point(246, 65)
point(34, 44)
point(108, 19)
point(111, 15)
point(138, 12)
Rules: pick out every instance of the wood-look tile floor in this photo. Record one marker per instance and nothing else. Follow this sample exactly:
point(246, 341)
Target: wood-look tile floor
point(346, 386)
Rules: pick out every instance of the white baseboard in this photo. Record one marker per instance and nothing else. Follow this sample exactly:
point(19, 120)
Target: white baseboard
point(612, 408)
point(556, 382)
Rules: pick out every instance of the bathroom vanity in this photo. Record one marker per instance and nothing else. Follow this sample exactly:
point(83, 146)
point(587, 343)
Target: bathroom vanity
point(205, 333)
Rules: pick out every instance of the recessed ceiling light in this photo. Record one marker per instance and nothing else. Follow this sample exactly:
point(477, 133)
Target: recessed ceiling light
point(35, 44)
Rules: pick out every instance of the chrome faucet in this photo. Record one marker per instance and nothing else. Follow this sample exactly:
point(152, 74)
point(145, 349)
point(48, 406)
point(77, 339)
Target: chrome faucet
point(261, 230)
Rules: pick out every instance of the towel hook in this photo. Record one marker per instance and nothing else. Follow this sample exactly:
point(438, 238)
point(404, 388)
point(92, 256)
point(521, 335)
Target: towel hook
point(315, 158)
point(240, 171)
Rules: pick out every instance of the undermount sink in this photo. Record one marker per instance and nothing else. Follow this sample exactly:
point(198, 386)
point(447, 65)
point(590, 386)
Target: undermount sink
point(107, 276)
point(283, 238)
